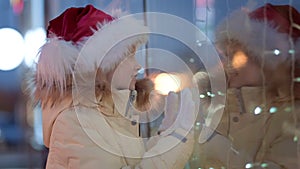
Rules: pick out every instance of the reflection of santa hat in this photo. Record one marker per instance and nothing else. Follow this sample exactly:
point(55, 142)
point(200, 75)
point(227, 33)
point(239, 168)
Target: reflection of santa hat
point(69, 33)
point(267, 31)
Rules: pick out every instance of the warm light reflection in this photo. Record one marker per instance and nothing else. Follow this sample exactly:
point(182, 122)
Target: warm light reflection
point(17, 6)
point(165, 83)
point(239, 59)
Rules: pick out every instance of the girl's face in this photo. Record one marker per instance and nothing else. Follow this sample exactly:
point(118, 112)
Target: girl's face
point(124, 76)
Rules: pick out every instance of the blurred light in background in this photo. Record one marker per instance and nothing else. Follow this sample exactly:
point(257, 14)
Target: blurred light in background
point(165, 83)
point(239, 60)
point(34, 39)
point(17, 6)
point(12, 49)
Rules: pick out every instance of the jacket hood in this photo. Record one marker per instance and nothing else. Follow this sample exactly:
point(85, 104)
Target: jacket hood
point(50, 113)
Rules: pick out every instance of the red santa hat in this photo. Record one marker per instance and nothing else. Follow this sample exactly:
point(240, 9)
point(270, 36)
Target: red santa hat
point(266, 32)
point(70, 32)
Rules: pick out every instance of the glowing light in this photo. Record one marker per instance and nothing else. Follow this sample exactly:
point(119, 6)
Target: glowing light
point(202, 96)
point(297, 79)
point(295, 139)
point(257, 110)
point(17, 5)
point(12, 49)
point(291, 51)
point(34, 39)
point(212, 95)
point(239, 59)
point(208, 93)
point(192, 60)
point(276, 52)
point(220, 93)
point(264, 165)
point(199, 43)
point(288, 109)
point(165, 83)
point(273, 110)
point(248, 165)
point(211, 167)
point(198, 124)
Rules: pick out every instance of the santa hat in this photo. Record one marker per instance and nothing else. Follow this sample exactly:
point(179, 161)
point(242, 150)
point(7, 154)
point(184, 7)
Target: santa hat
point(267, 32)
point(71, 31)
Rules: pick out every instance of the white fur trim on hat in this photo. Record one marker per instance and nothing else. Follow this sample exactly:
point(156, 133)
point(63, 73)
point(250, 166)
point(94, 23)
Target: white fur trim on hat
point(56, 60)
point(111, 43)
point(261, 39)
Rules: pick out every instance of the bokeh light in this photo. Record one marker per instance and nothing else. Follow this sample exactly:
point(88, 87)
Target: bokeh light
point(276, 52)
point(257, 110)
point(249, 165)
point(165, 83)
point(273, 110)
point(12, 49)
point(239, 60)
point(34, 39)
point(17, 6)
